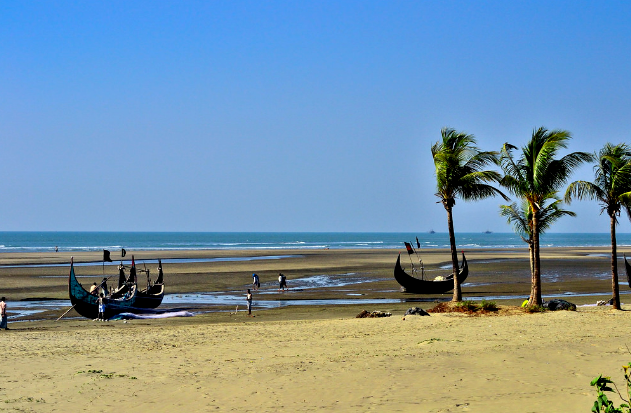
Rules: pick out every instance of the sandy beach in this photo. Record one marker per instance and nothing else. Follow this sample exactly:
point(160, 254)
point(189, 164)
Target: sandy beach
point(308, 358)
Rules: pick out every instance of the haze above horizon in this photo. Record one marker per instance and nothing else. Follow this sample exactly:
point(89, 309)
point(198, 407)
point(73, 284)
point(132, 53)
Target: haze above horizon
point(286, 116)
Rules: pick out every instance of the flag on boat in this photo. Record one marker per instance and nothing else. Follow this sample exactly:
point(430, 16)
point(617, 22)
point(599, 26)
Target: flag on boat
point(132, 271)
point(106, 256)
point(408, 247)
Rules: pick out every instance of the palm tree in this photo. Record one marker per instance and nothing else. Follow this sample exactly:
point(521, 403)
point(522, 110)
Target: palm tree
point(521, 219)
point(534, 177)
point(612, 189)
point(459, 173)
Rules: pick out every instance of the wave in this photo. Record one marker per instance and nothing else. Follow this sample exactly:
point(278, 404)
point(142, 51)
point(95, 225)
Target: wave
point(11, 242)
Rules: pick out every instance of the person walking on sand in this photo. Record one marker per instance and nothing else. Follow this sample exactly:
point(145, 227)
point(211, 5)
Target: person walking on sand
point(282, 281)
point(248, 297)
point(255, 281)
point(3, 314)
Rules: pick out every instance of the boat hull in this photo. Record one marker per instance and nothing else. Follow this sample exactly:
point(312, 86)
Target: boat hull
point(153, 295)
point(151, 299)
point(86, 304)
point(417, 286)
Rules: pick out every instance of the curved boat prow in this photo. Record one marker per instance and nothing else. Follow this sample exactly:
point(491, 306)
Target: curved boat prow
point(86, 304)
point(160, 279)
point(414, 285)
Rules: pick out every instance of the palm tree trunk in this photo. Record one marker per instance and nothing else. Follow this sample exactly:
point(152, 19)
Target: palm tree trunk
point(535, 285)
point(614, 265)
point(531, 254)
point(454, 255)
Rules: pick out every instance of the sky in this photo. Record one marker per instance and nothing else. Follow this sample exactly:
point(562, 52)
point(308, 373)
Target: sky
point(291, 115)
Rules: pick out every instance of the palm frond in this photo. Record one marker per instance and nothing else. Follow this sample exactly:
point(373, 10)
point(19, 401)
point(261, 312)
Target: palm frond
point(519, 218)
point(612, 180)
point(459, 167)
point(584, 190)
point(537, 173)
point(551, 213)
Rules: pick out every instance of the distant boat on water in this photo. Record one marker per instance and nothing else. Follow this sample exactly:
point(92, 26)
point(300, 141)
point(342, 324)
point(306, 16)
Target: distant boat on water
point(431, 231)
point(488, 232)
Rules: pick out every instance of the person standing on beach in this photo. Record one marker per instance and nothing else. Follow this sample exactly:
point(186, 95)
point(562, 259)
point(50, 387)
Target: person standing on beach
point(282, 281)
point(248, 297)
point(3, 314)
point(101, 303)
point(104, 287)
point(255, 282)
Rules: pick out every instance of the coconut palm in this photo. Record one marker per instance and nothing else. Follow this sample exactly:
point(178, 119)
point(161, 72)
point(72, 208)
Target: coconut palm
point(459, 173)
point(534, 177)
point(520, 216)
point(612, 189)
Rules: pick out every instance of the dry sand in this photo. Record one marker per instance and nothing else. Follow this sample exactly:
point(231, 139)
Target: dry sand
point(320, 358)
point(442, 363)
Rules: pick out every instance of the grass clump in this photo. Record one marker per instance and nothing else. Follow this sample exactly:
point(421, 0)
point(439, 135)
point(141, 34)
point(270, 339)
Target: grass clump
point(488, 306)
point(466, 307)
point(534, 309)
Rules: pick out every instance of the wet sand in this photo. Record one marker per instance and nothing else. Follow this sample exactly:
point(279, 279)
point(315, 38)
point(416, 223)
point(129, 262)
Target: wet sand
point(309, 358)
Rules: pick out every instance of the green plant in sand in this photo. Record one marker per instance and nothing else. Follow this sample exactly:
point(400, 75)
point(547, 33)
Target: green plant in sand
point(468, 306)
point(612, 189)
point(602, 404)
point(534, 308)
point(535, 177)
point(488, 306)
point(459, 173)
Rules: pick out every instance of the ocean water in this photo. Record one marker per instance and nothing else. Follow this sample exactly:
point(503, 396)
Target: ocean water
point(95, 241)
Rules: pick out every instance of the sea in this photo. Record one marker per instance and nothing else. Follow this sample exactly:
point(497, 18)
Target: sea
point(32, 241)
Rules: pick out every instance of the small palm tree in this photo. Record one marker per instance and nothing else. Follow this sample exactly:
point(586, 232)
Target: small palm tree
point(459, 173)
point(534, 177)
point(521, 219)
point(612, 189)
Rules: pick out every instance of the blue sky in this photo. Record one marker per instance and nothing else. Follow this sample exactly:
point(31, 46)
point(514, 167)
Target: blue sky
point(290, 116)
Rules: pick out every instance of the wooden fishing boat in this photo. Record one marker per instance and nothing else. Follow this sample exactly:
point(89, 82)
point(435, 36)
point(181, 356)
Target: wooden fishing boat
point(151, 297)
point(86, 304)
point(418, 286)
